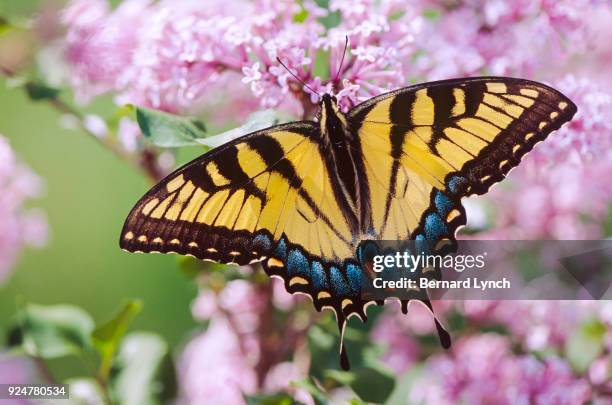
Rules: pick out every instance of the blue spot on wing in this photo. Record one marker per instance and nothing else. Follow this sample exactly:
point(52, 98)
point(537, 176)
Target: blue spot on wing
point(355, 277)
point(435, 228)
point(281, 249)
point(457, 184)
point(338, 284)
point(262, 243)
point(443, 204)
point(297, 264)
point(319, 281)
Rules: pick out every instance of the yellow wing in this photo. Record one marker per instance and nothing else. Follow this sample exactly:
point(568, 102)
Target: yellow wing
point(426, 146)
point(265, 197)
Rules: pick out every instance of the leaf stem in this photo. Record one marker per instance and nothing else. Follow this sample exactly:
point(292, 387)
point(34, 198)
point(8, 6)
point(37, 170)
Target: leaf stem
point(145, 161)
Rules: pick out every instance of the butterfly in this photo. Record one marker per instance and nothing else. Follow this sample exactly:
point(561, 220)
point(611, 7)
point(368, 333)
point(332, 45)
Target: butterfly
point(301, 197)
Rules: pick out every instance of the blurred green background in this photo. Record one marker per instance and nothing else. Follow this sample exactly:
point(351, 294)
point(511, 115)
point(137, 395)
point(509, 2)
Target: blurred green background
point(88, 194)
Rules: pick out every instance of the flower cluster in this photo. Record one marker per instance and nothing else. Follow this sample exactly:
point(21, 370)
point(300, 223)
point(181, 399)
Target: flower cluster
point(483, 370)
point(229, 361)
point(19, 227)
point(518, 38)
point(186, 54)
point(532, 326)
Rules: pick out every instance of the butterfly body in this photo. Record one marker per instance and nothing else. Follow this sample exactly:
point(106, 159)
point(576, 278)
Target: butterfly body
point(301, 197)
point(342, 155)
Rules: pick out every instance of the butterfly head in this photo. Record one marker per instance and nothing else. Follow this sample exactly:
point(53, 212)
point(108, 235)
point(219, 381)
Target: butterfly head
point(328, 104)
point(328, 99)
point(331, 118)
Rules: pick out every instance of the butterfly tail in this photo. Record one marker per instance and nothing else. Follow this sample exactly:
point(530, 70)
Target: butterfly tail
point(443, 335)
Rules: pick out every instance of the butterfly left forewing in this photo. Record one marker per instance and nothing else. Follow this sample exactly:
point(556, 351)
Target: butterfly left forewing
point(211, 207)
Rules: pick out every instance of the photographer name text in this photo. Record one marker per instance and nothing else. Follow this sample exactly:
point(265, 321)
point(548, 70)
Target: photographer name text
point(424, 282)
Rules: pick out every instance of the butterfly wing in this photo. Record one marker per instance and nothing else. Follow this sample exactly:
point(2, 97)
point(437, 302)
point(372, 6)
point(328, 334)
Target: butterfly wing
point(428, 145)
point(268, 197)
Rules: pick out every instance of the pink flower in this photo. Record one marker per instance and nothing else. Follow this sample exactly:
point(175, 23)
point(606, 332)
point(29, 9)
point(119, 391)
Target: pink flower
point(600, 371)
point(588, 137)
point(551, 382)
point(183, 53)
point(505, 38)
point(483, 370)
point(213, 368)
point(17, 370)
point(280, 297)
point(241, 299)
point(281, 377)
point(534, 325)
point(205, 305)
point(128, 134)
point(98, 46)
point(230, 348)
point(402, 351)
point(19, 227)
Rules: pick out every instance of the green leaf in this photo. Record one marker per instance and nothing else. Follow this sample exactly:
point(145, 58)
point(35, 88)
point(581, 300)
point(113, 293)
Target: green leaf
point(5, 25)
point(279, 398)
point(169, 130)
point(340, 376)
point(125, 111)
point(368, 378)
point(528, 264)
point(301, 15)
point(404, 386)
point(324, 346)
point(607, 224)
point(431, 14)
point(52, 331)
point(107, 337)
point(324, 352)
point(585, 345)
point(331, 20)
point(255, 122)
point(14, 23)
point(142, 362)
point(373, 384)
point(309, 386)
point(39, 91)
point(321, 64)
point(396, 15)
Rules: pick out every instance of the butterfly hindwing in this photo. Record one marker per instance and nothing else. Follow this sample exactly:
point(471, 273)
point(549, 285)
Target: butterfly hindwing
point(428, 145)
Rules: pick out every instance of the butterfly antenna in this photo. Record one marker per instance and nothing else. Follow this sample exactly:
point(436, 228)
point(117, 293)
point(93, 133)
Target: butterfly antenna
point(296, 77)
point(341, 60)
